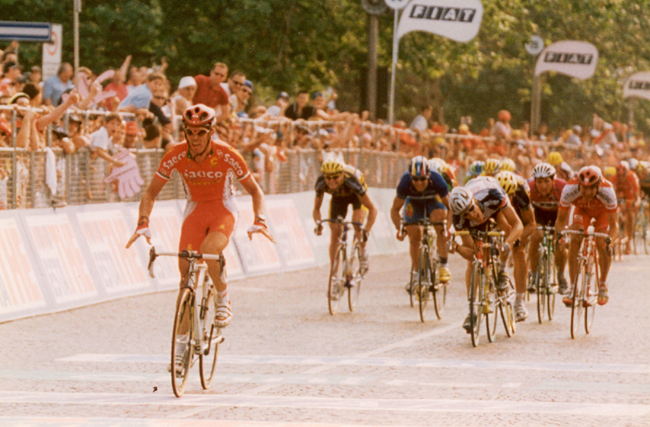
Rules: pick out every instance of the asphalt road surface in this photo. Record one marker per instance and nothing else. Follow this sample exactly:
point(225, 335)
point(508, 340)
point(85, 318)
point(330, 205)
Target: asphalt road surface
point(287, 362)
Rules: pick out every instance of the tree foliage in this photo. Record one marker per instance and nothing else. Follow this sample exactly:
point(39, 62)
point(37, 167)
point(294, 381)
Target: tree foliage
point(312, 44)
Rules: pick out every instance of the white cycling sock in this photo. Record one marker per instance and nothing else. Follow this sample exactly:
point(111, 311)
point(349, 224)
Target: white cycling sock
point(223, 296)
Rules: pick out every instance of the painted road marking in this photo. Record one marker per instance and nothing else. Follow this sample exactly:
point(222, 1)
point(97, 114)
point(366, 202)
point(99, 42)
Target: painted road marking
point(374, 361)
point(388, 405)
point(329, 380)
point(149, 422)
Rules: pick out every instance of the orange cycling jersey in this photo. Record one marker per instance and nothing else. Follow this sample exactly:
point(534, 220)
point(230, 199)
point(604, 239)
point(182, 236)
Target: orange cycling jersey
point(627, 187)
point(209, 180)
point(605, 199)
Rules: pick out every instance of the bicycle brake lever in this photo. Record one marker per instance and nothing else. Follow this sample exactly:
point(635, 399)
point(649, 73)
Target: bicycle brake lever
point(152, 258)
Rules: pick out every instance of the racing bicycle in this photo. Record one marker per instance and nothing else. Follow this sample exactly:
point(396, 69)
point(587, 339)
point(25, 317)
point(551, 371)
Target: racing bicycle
point(345, 272)
point(546, 286)
point(484, 296)
point(584, 293)
point(427, 286)
point(194, 332)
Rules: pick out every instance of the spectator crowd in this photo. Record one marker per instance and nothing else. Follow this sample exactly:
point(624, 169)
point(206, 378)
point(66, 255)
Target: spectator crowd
point(134, 107)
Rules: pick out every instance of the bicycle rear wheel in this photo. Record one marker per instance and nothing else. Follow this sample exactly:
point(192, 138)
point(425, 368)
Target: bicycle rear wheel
point(553, 286)
point(182, 336)
point(354, 281)
point(576, 305)
point(591, 294)
point(507, 310)
point(211, 338)
point(475, 303)
point(335, 287)
point(439, 297)
point(424, 281)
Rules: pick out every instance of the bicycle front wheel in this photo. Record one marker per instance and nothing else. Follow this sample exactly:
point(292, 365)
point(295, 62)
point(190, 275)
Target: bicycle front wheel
point(412, 287)
point(335, 287)
point(354, 280)
point(590, 289)
point(491, 302)
point(475, 303)
point(424, 281)
point(542, 285)
point(552, 286)
point(576, 305)
point(211, 337)
point(182, 336)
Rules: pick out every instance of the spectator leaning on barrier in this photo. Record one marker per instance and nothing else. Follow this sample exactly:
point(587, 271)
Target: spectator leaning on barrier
point(184, 94)
point(421, 121)
point(209, 91)
point(55, 86)
point(235, 82)
point(281, 104)
point(131, 134)
point(101, 141)
point(140, 97)
point(240, 101)
point(300, 109)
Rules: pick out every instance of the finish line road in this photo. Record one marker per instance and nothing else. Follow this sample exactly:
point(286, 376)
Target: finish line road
point(287, 362)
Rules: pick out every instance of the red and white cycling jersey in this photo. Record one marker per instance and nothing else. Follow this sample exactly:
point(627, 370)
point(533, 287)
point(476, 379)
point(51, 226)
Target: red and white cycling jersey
point(605, 200)
point(210, 180)
point(551, 201)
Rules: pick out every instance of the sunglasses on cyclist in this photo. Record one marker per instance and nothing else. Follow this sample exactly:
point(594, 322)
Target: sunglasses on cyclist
point(200, 132)
point(420, 178)
point(332, 177)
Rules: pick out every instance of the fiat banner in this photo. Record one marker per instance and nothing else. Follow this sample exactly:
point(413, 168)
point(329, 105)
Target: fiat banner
point(573, 58)
point(637, 85)
point(458, 20)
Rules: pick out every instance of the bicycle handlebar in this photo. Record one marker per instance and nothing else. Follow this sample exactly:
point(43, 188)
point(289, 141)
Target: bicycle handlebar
point(182, 254)
point(605, 236)
point(339, 221)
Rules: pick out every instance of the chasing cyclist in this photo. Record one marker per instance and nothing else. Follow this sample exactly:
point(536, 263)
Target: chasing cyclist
point(473, 205)
point(517, 189)
point(422, 190)
point(347, 187)
point(626, 183)
point(562, 168)
point(593, 198)
point(209, 169)
point(545, 194)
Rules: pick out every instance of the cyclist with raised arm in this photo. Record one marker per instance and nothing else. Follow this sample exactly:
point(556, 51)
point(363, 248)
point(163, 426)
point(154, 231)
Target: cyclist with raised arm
point(209, 169)
point(593, 198)
point(422, 191)
point(518, 192)
point(545, 194)
point(347, 186)
point(627, 188)
point(473, 205)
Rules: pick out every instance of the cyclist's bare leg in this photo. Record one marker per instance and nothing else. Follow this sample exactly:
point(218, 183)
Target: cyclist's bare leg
point(560, 259)
point(215, 243)
point(604, 260)
point(335, 234)
point(415, 234)
point(520, 270)
point(533, 250)
point(629, 223)
point(359, 215)
point(439, 215)
point(574, 248)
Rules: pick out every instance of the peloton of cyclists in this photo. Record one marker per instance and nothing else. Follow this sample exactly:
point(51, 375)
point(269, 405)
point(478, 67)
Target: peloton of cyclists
point(422, 191)
point(593, 198)
point(473, 205)
point(347, 186)
point(517, 189)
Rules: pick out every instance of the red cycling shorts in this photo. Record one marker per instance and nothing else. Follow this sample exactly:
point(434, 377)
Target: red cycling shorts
point(583, 217)
point(202, 218)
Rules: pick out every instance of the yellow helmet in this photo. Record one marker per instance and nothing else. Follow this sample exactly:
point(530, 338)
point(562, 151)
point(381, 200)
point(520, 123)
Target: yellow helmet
point(609, 171)
point(554, 159)
point(508, 165)
point(492, 166)
point(640, 167)
point(508, 182)
point(331, 167)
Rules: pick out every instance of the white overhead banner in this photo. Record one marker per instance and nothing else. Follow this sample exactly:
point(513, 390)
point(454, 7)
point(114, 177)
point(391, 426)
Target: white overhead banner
point(458, 20)
point(637, 85)
point(573, 58)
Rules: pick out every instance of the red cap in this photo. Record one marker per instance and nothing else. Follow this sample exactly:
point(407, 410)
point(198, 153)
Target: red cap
point(132, 128)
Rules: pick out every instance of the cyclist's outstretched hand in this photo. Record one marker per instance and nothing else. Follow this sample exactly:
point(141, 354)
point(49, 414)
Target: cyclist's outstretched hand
point(142, 230)
point(259, 227)
point(319, 229)
point(401, 234)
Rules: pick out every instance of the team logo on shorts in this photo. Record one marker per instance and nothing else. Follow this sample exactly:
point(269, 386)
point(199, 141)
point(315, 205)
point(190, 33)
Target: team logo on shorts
point(409, 210)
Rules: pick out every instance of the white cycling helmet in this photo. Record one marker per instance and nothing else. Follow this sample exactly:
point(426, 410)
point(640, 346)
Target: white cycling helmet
point(437, 164)
point(460, 199)
point(543, 170)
